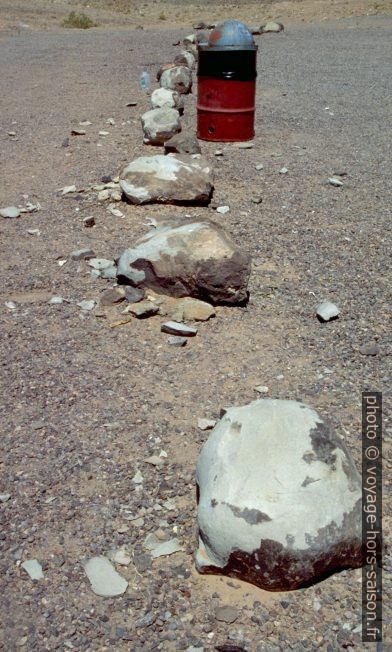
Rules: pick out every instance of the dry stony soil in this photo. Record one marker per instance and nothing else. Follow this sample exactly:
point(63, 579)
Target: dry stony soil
point(86, 403)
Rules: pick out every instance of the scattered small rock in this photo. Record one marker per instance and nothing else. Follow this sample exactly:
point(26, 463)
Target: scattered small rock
point(33, 568)
point(137, 478)
point(206, 424)
point(283, 170)
point(256, 199)
point(174, 328)
point(369, 349)
point(133, 295)
point(34, 232)
point(271, 26)
point(176, 340)
point(223, 209)
point(68, 189)
point(166, 548)
point(100, 263)
point(10, 212)
point(227, 614)
point(218, 152)
point(86, 304)
point(4, 498)
point(246, 145)
point(143, 309)
point(326, 311)
point(112, 296)
point(335, 181)
point(82, 254)
point(88, 221)
point(56, 301)
point(259, 167)
point(78, 132)
point(104, 579)
point(120, 556)
point(262, 389)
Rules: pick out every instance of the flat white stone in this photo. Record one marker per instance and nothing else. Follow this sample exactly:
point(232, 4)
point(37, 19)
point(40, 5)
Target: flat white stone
point(327, 311)
point(10, 211)
point(223, 209)
point(104, 578)
point(86, 304)
point(167, 548)
point(33, 568)
point(175, 328)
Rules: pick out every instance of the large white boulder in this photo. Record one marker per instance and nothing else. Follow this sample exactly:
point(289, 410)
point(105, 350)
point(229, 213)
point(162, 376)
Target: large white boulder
point(188, 258)
point(279, 497)
point(159, 125)
point(169, 179)
point(177, 79)
point(163, 97)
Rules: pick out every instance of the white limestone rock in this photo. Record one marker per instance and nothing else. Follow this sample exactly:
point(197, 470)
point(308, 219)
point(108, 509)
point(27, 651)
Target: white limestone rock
point(159, 125)
point(188, 258)
point(163, 97)
point(167, 179)
point(280, 497)
point(177, 79)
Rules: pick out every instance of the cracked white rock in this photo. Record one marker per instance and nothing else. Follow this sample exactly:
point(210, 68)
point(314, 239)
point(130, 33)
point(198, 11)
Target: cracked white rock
point(104, 578)
point(280, 497)
point(164, 97)
point(159, 125)
point(170, 179)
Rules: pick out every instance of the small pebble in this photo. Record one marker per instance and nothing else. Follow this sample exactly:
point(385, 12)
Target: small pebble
point(10, 211)
point(259, 166)
point(262, 389)
point(218, 152)
point(335, 181)
point(133, 295)
point(175, 328)
point(206, 424)
point(176, 340)
point(82, 254)
point(89, 221)
point(33, 231)
point(4, 498)
point(223, 209)
point(369, 349)
point(245, 145)
point(326, 311)
point(33, 568)
point(86, 304)
point(56, 300)
point(283, 171)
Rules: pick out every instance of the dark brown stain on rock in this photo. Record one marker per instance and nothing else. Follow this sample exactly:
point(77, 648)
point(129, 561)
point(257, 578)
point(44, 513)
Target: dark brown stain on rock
point(251, 516)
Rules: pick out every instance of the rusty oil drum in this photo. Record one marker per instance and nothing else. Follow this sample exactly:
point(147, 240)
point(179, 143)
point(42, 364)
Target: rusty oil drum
point(227, 84)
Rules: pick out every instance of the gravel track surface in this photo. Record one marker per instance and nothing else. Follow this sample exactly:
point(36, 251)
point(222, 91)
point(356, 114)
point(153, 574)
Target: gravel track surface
point(85, 404)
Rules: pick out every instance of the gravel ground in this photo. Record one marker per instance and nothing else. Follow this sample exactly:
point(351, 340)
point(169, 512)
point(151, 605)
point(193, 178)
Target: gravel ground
point(85, 404)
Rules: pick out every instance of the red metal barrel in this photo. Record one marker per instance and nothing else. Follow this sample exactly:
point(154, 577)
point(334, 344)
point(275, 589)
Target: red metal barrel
point(227, 84)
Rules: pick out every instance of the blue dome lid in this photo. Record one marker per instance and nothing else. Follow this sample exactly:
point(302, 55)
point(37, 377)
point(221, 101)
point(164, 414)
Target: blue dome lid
point(231, 35)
